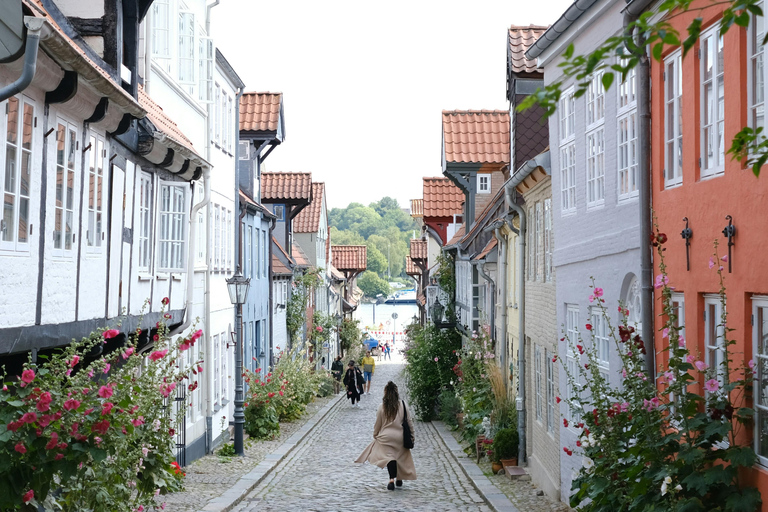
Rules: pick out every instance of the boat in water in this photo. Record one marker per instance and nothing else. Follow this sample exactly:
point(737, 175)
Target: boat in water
point(402, 297)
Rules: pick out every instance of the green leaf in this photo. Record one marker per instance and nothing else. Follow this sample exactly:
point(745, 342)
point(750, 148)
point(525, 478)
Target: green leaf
point(740, 456)
point(747, 500)
point(568, 53)
point(657, 50)
point(607, 80)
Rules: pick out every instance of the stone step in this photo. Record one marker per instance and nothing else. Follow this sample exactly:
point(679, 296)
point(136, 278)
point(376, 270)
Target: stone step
point(516, 473)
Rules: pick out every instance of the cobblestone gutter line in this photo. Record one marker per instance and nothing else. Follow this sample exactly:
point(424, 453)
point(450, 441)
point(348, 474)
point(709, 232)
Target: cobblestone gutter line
point(497, 500)
point(232, 496)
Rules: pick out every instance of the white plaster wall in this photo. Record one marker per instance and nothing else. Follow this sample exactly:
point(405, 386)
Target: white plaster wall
point(80, 9)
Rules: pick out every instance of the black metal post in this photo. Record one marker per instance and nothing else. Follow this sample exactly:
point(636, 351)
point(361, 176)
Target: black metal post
point(239, 413)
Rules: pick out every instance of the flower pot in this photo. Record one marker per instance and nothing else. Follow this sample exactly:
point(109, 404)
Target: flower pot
point(496, 467)
point(509, 462)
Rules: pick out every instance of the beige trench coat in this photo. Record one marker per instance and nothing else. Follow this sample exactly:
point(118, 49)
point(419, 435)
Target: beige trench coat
point(387, 444)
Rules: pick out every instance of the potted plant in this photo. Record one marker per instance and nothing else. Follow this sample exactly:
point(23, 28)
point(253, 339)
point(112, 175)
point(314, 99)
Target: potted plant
point(505, 446)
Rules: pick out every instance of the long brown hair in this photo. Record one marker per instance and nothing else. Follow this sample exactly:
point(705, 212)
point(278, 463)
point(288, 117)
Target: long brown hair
point(391, 401)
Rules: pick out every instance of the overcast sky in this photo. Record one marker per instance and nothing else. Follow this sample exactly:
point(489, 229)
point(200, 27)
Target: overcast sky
point(364, 82)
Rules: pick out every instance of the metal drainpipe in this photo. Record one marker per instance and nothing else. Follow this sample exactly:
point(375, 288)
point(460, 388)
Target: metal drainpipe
point(481, 268)
point(34, 27)
point(644, 171)
point(521, 420)
point(503, 277)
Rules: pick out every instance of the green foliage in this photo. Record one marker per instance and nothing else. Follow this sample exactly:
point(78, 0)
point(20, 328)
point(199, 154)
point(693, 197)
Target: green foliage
point(473, 383)
point(372, 285)
point(296, 309)
point(661, 445)
point(325, 387)
point(449, 405)
point(227, 450)
point(376, 261)
point(345, 237)
point(349, 334)
point(506, 444)
point(261, 421)
point(429, 354)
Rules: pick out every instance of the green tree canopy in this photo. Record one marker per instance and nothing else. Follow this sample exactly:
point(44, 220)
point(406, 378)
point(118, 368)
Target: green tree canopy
point(372, 285)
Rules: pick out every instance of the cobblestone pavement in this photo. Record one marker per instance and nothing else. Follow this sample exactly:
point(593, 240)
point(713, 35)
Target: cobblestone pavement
point(209, 476)
point(320, 475)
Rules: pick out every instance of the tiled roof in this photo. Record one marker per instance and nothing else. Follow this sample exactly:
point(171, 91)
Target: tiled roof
point(487, 249)
point(419, 249)
point(417, 208)
point(484, 219)
point(278, 268)
point(286, 186)
point(299, 256)
point(410, 267)
point(282, 251)
point(476, 136)
point(520, 39)
point(260, 111)
point(308, 219)
point(421, 299)
point(335, 273)
point(457, 237)
point(350, 257)
point(248, 201)
point(442, 198)
point(161, 121)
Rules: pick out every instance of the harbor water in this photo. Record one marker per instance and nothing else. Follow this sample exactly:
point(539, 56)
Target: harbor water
point(376, 319)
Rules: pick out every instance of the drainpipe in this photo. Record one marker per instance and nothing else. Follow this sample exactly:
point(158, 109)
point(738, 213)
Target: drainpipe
point(503, 277)
point(34, 27)
point(271, 309)
point(521, 420)
point(481, 268)
point(631, 14)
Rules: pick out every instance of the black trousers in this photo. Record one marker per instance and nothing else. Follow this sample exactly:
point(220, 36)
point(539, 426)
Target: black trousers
point(392, 468)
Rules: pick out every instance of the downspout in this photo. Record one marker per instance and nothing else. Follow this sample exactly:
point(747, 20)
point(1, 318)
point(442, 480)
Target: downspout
point(521, 420)
point(272, 310)
point(503, 278)
point(631, 13)
point(34, 27)
point(481, 268)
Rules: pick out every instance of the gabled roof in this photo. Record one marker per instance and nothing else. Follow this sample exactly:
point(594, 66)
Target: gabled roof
point(487, 249)
point(419, 250)
point(278, 268)
point(261, 111)
point(248, 202)
point(299, 256)
point(417, 208)
point(410, 267)
point(442, 198)
point(335, 273)
point(308, 220)
point(520, 39)
point(283, 253)
point(286, 186)
point(350, 257)
point(476, 136)
point(456, 237)
point(161, 121)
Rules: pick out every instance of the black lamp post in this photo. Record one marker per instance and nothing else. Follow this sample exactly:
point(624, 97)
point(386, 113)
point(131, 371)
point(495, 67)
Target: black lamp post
point(237, 286)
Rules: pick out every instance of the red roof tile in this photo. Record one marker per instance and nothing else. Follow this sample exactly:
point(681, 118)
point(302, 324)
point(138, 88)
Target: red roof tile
point(278, 268)
point(308, 219)
point(335, 273)
point(299, 256)
point(419, 250)
point(161, 121)
point(476, 136)
point(350, 257)
point(487, 249)
point(286, 186)
point(410, 267)
point(457, 237)
point(248, 201)
point(442, 198)
point(260, 111)
point(417, 208)
point(520, 39)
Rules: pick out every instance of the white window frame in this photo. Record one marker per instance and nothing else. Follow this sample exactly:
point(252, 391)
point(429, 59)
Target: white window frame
point(627, 90)
point(714, 339)
point(216, 238)
point(11, 173)
point(549, 241)
point(596, 167)
point(756, 71)
point(568, 178)
point(162, 51)
point(713, 165)
point(264, 253)
point(595, 101)
point(551, 391)
point(97, 154)
point(229, 240)
point(539, 220)
point(146, 222)
point(186, 58)
point(760, 358)
point(174, 222)
point(537, 357)
point(567, 115)
point(483, 183)
point(66, 208)
point(224, 368)
point(602, 341)
point(205, 68)
point(572, 360)
point(673, 129)
point(216, 369)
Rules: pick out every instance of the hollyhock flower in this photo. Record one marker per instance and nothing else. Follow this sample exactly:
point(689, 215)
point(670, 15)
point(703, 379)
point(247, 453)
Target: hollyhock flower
point(29, 417)
point(624, 407)
point(185, 346)
point(711, 262)
point(158, 354)
point(20, 448)
point(59, 456)
point(725, 258)
point(751, 364)
point(712, 385)
point(700, 365)
point(580, 348)
point(197, 335)
point(106, 368)
point(565, 422)
point(661, 280)
point(624, 373)
point(128, 352)
point(558, 399)
point(105, 392)
point(665, 333)
point(554, 359)
point(69, 372)
point(100, 427)
point(27, 376)
point(106, 408)
point(689, 359)
point(97, 439)
point(44, 402)
point(156, 425)
point(73, 362)
point(155, 337)
point(280, 393)
point(54, 442)
point(598, 292)
point(110, 333)
point(589, 327)
point(90, 373)
point(670, 376)
point(681, 342)
point(591, 298)
point(165, 301)
point(28, 496)
point(270, 394)
point(319, 328)
point(435, 359)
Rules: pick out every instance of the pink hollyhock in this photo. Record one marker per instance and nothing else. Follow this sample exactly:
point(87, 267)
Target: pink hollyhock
point(137, 422)
point(319, 328)
point(435, 359)
point(128, 352)
point(59, 456)
point(53, 443)
point(20, 448)
point(280, 393)
point(712, 385)
point(105, 392)
point(270, 394)
point(100, 427)
point(665, 332)
point(106, 368)
point(661, 280)
point(28, 417)
point(44, 402)
point(13, 426)
point(711, 262)
point(751, 364)
point(197, 335)
point(689, 359)
point(106, 408)
point(185, 346)
point(28, 496)
point(110, 333)
point(700, 365)
point(598, 292)
point(88, 411)
point(725, 258)
point(74, 361)
point(158, 354)
point(27, 376)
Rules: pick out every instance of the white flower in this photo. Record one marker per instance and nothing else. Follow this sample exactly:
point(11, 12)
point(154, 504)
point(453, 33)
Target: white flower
point(584, 441)
point(664, 488)
point(678, 487)
point(667, 479)
point(588, 464)
point(451, 383)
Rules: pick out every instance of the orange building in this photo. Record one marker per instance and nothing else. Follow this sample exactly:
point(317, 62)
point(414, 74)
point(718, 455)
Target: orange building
point(699, 103)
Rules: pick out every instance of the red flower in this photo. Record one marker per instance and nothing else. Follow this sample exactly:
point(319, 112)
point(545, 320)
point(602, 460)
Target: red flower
point(53, 442)
point(581, 349)
point(586, 366)
point(578, 443)
point(100, 427)
point(589, 327)
point(27, 376)
point(270, 394)
point(44, 402)
point(110, 333)
point(105, 392)
point(565, 422)
point(59, 456)
point(20, 448)
point(171, 432)
point(29, 496)
point(74, 361)
point(558, 399)
point(165, 301)
point(106, 408)
point(554, 359)
point(158, 354)
point(28, 417)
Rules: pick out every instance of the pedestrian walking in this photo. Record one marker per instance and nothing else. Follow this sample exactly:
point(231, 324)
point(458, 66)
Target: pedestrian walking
point(380, 353)
point(387, 450)
point(388, 351)
point(337, 368)
point(354, 383)
point(369, 366)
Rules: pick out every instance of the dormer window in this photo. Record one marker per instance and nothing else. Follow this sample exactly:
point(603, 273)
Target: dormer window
point(483, 183)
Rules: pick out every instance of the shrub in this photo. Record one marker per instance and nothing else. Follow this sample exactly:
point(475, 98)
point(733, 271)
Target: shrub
point(261, 421)
point(505, 444)
point(450, 406)
point(326, 386)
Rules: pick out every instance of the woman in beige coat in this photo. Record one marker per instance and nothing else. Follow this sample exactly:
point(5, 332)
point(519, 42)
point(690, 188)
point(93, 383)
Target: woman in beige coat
point(387, 448)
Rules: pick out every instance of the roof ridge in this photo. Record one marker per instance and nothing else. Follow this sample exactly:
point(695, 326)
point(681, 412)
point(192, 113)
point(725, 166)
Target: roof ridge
point(463, 112)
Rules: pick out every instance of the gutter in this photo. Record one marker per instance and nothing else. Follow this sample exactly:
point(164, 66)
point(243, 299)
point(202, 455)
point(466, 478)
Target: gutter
point(631, 13)
point(34, 31)
point(573, 13)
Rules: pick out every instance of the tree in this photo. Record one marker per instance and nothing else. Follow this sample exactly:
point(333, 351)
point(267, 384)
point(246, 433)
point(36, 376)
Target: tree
point(372, 284)
point(377, 262)
point(346, 237)
point(748, 144)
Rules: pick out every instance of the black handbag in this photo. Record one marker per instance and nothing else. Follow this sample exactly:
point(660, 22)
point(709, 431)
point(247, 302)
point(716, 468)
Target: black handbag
point(407, 434)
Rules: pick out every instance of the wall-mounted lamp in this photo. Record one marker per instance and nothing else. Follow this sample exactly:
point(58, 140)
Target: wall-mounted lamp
point(729, 232)
point(687, 234)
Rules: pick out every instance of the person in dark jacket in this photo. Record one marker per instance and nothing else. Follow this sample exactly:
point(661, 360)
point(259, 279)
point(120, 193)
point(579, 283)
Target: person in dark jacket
point(337, 368)
point(353, 380)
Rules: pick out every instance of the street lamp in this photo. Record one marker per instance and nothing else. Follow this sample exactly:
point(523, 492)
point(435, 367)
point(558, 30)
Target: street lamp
point(237, 286)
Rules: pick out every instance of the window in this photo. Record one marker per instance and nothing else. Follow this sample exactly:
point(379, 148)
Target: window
point(64, 207)
point(596, 167)
point(595, 100)
point(172, 222)
point(539, 241)
point(760, 356)
point(186, 56)
point(205, 69)
point(627, 154)
point(539, 384)
point(217, 114)
point(229, 239)
point(95, 230)
point(551, 421)
point(712, 103)
point(264, 254)
point(230, 124)
point(161, 34)
point(483, 183)
point(755, 70)
point(279, 212)
point(223, 371)
point(216, 237)
point(568, 178)
point(572, 360)
point(713, 336)
point(223, 119)
point(548, 240)
point(16, 174)
point(602, 342)
point(567, 108)
point(145, 223)
point(677, 301)
point(627, 90)
point(245, 151)
point(531, 244)
point(201, 228)
point(673, 120)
